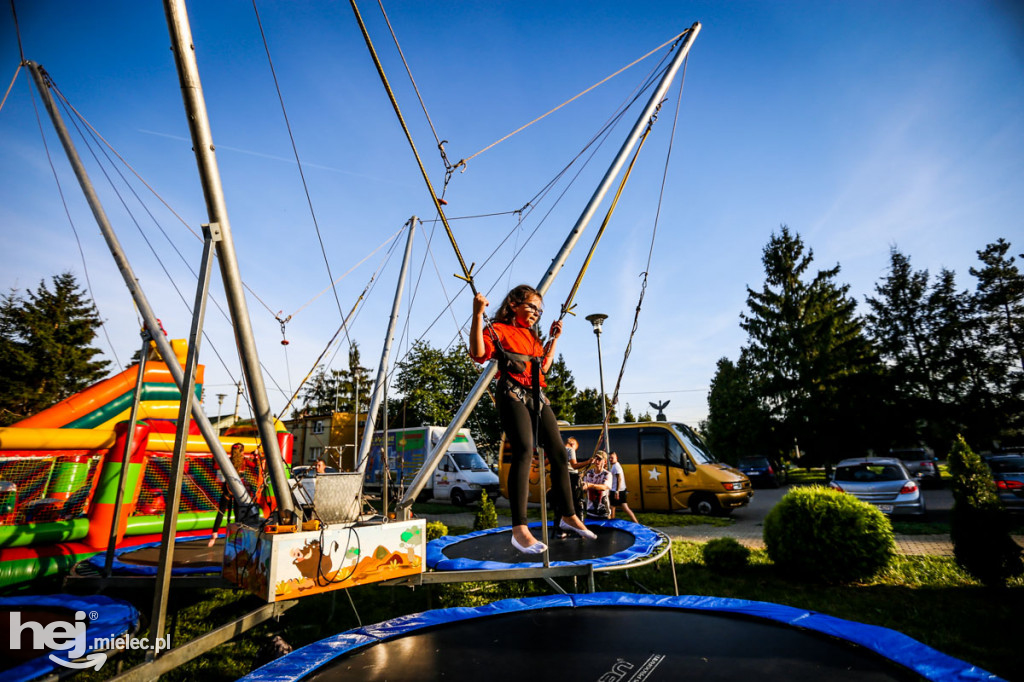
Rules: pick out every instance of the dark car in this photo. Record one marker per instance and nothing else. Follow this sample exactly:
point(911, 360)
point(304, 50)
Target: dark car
point(1008, 473)
point(920, 462)
point(759, 470)
point(883, 482)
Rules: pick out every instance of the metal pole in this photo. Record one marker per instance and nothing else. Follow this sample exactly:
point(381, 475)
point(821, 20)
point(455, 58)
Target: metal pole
point(212, 235)
point(202, 143)
point(122, 480)
point(234, 481)
point(382, 368)
point(477, 392)
point(604, 402)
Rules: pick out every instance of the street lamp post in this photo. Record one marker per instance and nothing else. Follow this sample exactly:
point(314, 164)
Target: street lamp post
point(597, 319)
point(220, 404)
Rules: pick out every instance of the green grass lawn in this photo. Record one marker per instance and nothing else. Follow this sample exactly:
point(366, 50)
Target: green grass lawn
point(926, 597)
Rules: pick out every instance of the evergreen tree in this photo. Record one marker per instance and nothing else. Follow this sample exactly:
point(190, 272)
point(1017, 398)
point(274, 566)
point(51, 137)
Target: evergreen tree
point(46, 351)
point(588, 408)
point(1001, 299)
point(334, 390)
point(964, 370)
point(737, 424)
point(808, 352)
point(561, 390)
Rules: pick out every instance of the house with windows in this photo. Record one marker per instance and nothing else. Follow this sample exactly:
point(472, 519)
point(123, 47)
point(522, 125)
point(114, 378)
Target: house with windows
point(332, 437)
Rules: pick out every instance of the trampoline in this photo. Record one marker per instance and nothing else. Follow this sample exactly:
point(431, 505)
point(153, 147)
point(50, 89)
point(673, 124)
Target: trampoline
point(105, 618)
point(619, 544)
point(191, 557)
point(618, 636)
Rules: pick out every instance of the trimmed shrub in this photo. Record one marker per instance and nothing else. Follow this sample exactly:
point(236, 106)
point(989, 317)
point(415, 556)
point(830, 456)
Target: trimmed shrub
point(725, 555)
point(486, 515)
point(979, 525)
point(435, 530)
point(820, 534)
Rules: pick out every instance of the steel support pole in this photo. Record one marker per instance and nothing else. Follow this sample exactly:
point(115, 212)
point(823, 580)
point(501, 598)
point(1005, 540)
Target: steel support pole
point(232, 477)
point(211, 235)
point(202, 143)
point(382, 369)
point(477, 392)
point(122, 479)
point(604, 400)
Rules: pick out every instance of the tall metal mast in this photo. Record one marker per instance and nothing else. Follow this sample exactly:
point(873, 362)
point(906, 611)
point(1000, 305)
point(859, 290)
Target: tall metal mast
point(202, 143)
point(556, 264)
point(382, 368)
point(150, 320)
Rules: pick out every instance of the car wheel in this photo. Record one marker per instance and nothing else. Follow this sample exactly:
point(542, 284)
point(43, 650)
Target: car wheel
point(703, 505)
point(425, 495)
point(458, 498)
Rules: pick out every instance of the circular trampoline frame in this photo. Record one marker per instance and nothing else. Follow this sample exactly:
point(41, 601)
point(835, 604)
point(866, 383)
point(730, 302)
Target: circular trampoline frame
point(120, 567)
point(648, 546)
point(114, 618)
point(895, 647)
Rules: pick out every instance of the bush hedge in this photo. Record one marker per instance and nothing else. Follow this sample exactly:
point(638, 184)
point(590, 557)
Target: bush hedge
point(979, 524)
point(435, 530)
point(816, 533)
point(725, 555)
point(486, 515)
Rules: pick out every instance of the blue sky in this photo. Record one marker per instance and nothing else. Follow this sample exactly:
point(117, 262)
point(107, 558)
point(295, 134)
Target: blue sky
point(861, 125)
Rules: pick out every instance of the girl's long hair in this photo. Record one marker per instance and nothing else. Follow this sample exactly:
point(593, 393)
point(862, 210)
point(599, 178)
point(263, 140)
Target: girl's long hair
point(505, 314)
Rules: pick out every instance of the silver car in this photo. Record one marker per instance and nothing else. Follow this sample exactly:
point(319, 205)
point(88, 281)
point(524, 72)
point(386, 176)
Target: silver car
point(883, 482)
point(920, 462)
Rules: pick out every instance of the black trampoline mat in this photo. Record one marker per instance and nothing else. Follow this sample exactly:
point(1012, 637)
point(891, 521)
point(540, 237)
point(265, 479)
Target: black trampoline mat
point(498, 546)
point(621, 643)
point(191, 553)
point(44, 615)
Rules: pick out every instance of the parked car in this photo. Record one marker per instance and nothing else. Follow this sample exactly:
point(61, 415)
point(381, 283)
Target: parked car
point(920, 462)
point(881, 481)
point(760, 471)
point(1008, 473)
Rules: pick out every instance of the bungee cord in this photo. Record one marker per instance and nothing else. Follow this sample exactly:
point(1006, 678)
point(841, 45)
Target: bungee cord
point(462, 163)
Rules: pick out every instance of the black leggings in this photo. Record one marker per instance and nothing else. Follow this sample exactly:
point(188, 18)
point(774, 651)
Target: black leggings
point(518, 427)
point(224, 508)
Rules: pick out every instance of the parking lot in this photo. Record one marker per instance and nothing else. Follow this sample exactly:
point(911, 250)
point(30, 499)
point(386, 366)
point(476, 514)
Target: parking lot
point(749, 522)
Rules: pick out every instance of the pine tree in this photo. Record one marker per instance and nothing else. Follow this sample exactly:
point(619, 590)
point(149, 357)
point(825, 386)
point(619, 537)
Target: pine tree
point(737, 424)
point(46, 351)
point(808, 353)
point(1001, 298)
point(561, 390)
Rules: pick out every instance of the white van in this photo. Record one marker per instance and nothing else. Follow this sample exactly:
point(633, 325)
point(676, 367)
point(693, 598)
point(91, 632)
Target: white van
point(461, 476)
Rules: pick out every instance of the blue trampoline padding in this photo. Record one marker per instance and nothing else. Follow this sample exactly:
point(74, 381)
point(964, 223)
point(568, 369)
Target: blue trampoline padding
point(895, 646)
point(646, 541)
point(115, 618)
point(119, 567)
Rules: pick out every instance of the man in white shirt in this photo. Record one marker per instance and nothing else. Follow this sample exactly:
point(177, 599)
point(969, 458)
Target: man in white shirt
point(618, 492)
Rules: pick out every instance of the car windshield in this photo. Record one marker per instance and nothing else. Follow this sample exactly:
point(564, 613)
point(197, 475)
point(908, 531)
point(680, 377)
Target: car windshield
point(1006, 465)
point(471, 461)
point(695, 445)
point(752, 462)
point(869, 473)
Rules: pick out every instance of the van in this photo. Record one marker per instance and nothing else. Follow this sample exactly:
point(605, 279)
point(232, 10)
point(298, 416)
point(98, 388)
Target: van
point(667, 466)
point(462, 476)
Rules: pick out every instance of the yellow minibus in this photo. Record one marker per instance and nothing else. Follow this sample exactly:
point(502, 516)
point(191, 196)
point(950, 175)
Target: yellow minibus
point(667, 467)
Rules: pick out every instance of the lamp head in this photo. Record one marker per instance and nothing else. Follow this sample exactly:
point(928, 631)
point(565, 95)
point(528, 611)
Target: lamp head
point(597, 319)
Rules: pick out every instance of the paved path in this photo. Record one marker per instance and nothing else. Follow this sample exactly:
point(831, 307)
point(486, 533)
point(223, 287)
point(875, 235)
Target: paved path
point(746, 531)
